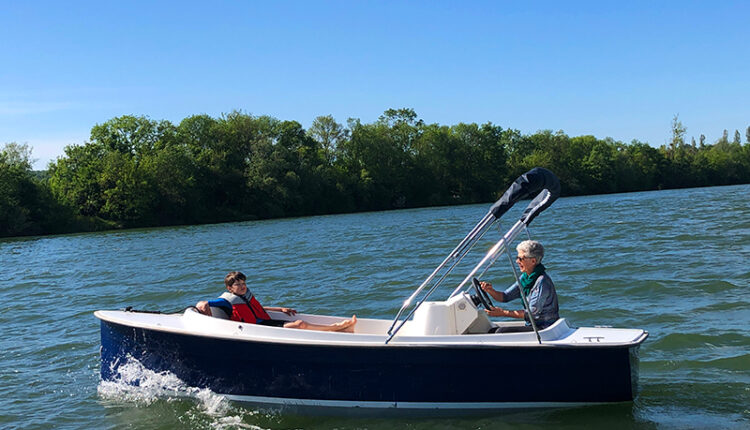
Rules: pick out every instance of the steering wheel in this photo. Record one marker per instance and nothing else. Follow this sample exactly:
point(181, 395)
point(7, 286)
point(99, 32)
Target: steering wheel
point(482, 295)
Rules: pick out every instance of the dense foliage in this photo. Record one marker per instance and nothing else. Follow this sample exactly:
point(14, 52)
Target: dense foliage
point(135, 171)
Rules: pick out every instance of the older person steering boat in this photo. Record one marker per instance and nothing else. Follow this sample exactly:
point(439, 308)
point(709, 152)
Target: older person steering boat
point(537, 287)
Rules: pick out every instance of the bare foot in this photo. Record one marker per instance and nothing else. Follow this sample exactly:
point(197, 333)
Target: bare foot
point(346, 325)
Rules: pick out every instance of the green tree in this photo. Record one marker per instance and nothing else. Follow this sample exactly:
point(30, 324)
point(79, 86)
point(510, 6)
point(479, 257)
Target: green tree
point(678, 134)
point(27, 206)
point(109, 176)
point(600, 167)
point(127, 196)
point(329, 134)
point(135, 171)
point(215, 176)
point(15, 182)
point(172, 176)
point(134, 135)
point(724, 138)
point(647, 165)
point(74, 178)
point(381, 156)
point(486, 168)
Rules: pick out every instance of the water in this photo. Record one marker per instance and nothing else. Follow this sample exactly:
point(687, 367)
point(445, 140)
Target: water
point(672, 262)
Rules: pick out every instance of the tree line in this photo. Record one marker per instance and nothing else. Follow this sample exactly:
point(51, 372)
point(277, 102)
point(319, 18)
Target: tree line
point(137, 172)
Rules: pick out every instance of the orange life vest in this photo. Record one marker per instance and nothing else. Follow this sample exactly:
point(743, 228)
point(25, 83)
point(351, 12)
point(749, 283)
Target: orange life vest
point(248, 311)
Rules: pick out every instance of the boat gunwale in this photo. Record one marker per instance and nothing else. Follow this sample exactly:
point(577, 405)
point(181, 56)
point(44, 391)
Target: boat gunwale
point(341, 339)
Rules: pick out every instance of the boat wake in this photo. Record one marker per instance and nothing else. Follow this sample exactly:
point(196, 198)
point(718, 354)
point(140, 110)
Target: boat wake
point(135, 384)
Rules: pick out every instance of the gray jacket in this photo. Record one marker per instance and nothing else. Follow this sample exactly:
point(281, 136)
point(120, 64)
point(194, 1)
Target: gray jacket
point(542, 301)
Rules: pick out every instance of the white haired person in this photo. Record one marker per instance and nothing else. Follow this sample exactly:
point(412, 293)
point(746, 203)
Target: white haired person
point(537, 286)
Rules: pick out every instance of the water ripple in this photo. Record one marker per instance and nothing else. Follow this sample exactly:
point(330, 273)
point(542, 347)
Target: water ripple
point(672, 262)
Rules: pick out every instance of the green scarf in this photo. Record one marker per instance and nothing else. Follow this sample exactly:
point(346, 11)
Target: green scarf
point(527, 281)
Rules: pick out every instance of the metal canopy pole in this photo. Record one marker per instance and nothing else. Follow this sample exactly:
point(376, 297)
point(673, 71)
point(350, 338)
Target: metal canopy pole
point(492, 261)
point(499, 246)
point(523, 295)
point(457, 254)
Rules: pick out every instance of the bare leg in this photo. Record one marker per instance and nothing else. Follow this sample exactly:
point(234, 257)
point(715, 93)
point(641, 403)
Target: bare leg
point(345, 325)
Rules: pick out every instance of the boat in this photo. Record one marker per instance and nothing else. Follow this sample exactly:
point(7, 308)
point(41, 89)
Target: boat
point(435, 355)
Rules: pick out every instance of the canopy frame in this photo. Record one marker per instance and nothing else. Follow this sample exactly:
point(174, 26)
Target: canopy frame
point(539, 183)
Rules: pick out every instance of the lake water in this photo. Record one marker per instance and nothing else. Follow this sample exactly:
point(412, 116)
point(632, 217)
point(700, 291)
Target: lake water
point(676, 263)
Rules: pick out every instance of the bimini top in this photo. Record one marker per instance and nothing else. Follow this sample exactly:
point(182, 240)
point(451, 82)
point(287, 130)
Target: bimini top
point(535, 180)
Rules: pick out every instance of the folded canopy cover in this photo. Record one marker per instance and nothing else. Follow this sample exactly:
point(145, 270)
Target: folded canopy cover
point(538, 182)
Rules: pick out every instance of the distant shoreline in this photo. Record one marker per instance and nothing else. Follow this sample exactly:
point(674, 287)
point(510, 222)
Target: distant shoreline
point(136, 172)
point(4, 238)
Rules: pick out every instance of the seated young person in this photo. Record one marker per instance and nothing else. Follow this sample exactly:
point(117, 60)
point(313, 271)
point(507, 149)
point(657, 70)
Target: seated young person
point(239, 304)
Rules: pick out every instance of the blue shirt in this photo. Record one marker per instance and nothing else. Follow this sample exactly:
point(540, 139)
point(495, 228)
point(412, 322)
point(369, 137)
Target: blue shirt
point(542, 301)
point(224, 306)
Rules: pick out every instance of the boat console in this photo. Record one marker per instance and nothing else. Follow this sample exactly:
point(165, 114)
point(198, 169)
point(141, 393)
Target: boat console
point(457, 315)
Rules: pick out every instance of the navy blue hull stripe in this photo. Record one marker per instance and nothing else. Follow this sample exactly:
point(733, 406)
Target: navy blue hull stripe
point(377, 374)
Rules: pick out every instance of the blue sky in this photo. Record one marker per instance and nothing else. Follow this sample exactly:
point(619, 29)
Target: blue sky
point(611, 69)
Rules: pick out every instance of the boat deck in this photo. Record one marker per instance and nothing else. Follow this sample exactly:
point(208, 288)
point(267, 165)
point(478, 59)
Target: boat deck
point(372, 332)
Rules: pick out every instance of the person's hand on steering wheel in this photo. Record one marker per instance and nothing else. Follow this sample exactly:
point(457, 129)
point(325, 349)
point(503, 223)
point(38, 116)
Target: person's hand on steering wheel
point(482, 295)
point(486, 286)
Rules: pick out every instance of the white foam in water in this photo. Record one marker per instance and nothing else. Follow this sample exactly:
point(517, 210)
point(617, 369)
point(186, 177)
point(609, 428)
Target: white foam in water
point(137, 384)
point(233, 422)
